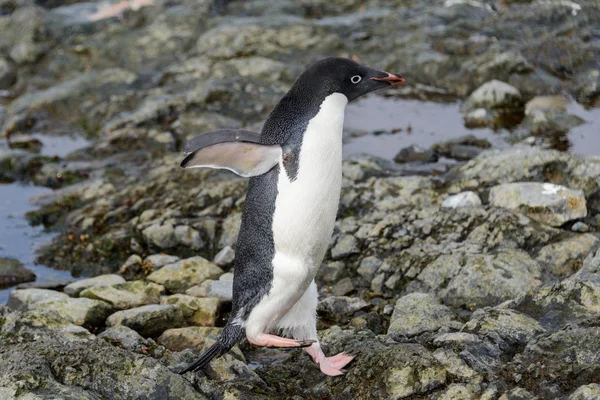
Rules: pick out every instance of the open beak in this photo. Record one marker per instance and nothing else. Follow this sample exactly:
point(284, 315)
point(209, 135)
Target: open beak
point(392, 79)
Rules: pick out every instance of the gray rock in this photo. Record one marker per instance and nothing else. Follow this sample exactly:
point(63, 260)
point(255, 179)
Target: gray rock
point(586, 392)
point(345, 247)
point(126, 295)
point(417, 313)
point(75, 288)
point(510, 325)
point(230, 229)
point(331, 272)
point(192, 337)
point(494, 95)
point(161, 236)
point(463, 199)
point(566, 257)
point(225, 257)
point(156, 261)
point(580, 227)
point(343, 287)
point(180, 276)
point(13, 272)
point(22, 299)
point(368, 267)
point(549, 122)
point(25, 142)
point(341, 308)
point(124, 336)
point(77, 311)
point(545, 202)
point(223, 290)
point(189, 237)
point(8, 75)
point(198, 311)
point(150, 320)
point(51, 285)
point(415, 153)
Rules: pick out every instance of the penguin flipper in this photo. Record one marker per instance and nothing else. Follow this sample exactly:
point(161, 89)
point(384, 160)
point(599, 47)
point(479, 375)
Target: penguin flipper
point(219, 136)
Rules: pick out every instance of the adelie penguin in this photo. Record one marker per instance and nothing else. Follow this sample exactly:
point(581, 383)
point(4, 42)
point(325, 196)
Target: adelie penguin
point(295, 171)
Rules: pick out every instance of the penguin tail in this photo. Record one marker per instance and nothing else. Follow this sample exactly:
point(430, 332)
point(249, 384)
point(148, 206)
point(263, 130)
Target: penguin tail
point(229, 337)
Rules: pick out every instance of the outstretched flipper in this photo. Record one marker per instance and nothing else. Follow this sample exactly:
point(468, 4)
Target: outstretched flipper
point(235, 150)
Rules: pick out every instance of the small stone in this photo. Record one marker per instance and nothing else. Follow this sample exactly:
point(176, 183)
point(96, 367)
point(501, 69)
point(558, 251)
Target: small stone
point(78, 311)
point(345, 247)
point(201, 311)
point(226, 277)
point(225, 257)
point(13, 272)
point(580, 227)
point(223, 290)
point(180, 276)
point(415, 153)
point(189, 237)
point(157, 261)
point(161, 236)
point(22, 299)
point(544, 202)
point(126, 295)
point(463, 199)
point(150, 320)
point(52, 285)
point(494, 95)
point(377, 283)
point(331, 272)
point(126, 337)
point(417, 313)
point(77, 287)
point(368, 267)
point(341, 308)
point(343, 287)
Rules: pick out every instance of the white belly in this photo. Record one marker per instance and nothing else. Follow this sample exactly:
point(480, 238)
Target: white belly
point(306, 208)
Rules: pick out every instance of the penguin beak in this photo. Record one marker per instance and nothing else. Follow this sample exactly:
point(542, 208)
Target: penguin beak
point(392, 79)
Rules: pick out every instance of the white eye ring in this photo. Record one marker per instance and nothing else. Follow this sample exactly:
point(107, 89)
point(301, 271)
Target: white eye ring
point(356, 79)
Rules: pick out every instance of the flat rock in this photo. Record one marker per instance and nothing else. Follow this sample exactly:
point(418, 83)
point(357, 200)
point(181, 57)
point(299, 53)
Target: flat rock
point(23, 298)
point(341, 308)
point(180, 276)
point(157, 261)
point(510, 325)
point(221, 289)
point(417, 313)
point(150, 320)
point(544, 202)
point(78, 311)
point(75, 288)
point(126, 295)
point(126, 337)
point(13, 272)
point(201, 311)
point(58, 284)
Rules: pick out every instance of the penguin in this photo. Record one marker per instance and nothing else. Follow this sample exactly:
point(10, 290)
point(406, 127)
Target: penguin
point(295, 171)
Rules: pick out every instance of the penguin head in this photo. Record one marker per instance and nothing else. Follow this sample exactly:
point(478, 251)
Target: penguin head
point(345, 76)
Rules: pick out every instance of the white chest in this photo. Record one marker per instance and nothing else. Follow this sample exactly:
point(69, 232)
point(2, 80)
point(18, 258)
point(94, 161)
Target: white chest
point(306, 208)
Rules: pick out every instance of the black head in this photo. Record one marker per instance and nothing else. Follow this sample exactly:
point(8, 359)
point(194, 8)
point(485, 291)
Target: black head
point(345, 76)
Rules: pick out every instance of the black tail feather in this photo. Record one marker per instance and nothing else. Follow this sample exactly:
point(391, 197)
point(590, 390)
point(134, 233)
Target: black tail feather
point(228, 338)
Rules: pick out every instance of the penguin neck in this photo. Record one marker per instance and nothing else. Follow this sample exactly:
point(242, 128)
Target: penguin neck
point(325, 128)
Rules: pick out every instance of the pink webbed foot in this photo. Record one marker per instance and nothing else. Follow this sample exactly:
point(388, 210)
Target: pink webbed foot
point(331, 366)
point(268, 340)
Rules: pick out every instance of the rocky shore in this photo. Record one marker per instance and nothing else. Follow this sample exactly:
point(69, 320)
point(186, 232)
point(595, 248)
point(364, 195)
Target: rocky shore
point(461, 271)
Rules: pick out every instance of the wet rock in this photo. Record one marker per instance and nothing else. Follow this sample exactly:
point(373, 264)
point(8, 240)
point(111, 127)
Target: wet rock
point(544, 117)
point(13, 272)
point(340, 308)
point(455, 365)
point(494, 95)
point(182, 275)
point(479, 279)
point(463, 199)
point(417, 313)
point(225, 257)
point(124, 336)
point(223, 290)
point(462, 148)
point(78, 311)
point(75, 288)
point(52, 285)
point(132, 267)
point(543, 103)
point(415, 153)
point(192, 337)
point(566, 257)
point(126, 295)
point(150, 320)
point(8, 75)
point(25, 142)
point(198, 311)
point(161, 236)
point(586, 392)
point(510, 325)
point(346, 246)
point(545, 202)
point(22, 299)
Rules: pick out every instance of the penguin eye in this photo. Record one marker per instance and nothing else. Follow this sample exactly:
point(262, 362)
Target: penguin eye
point(355, 79)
